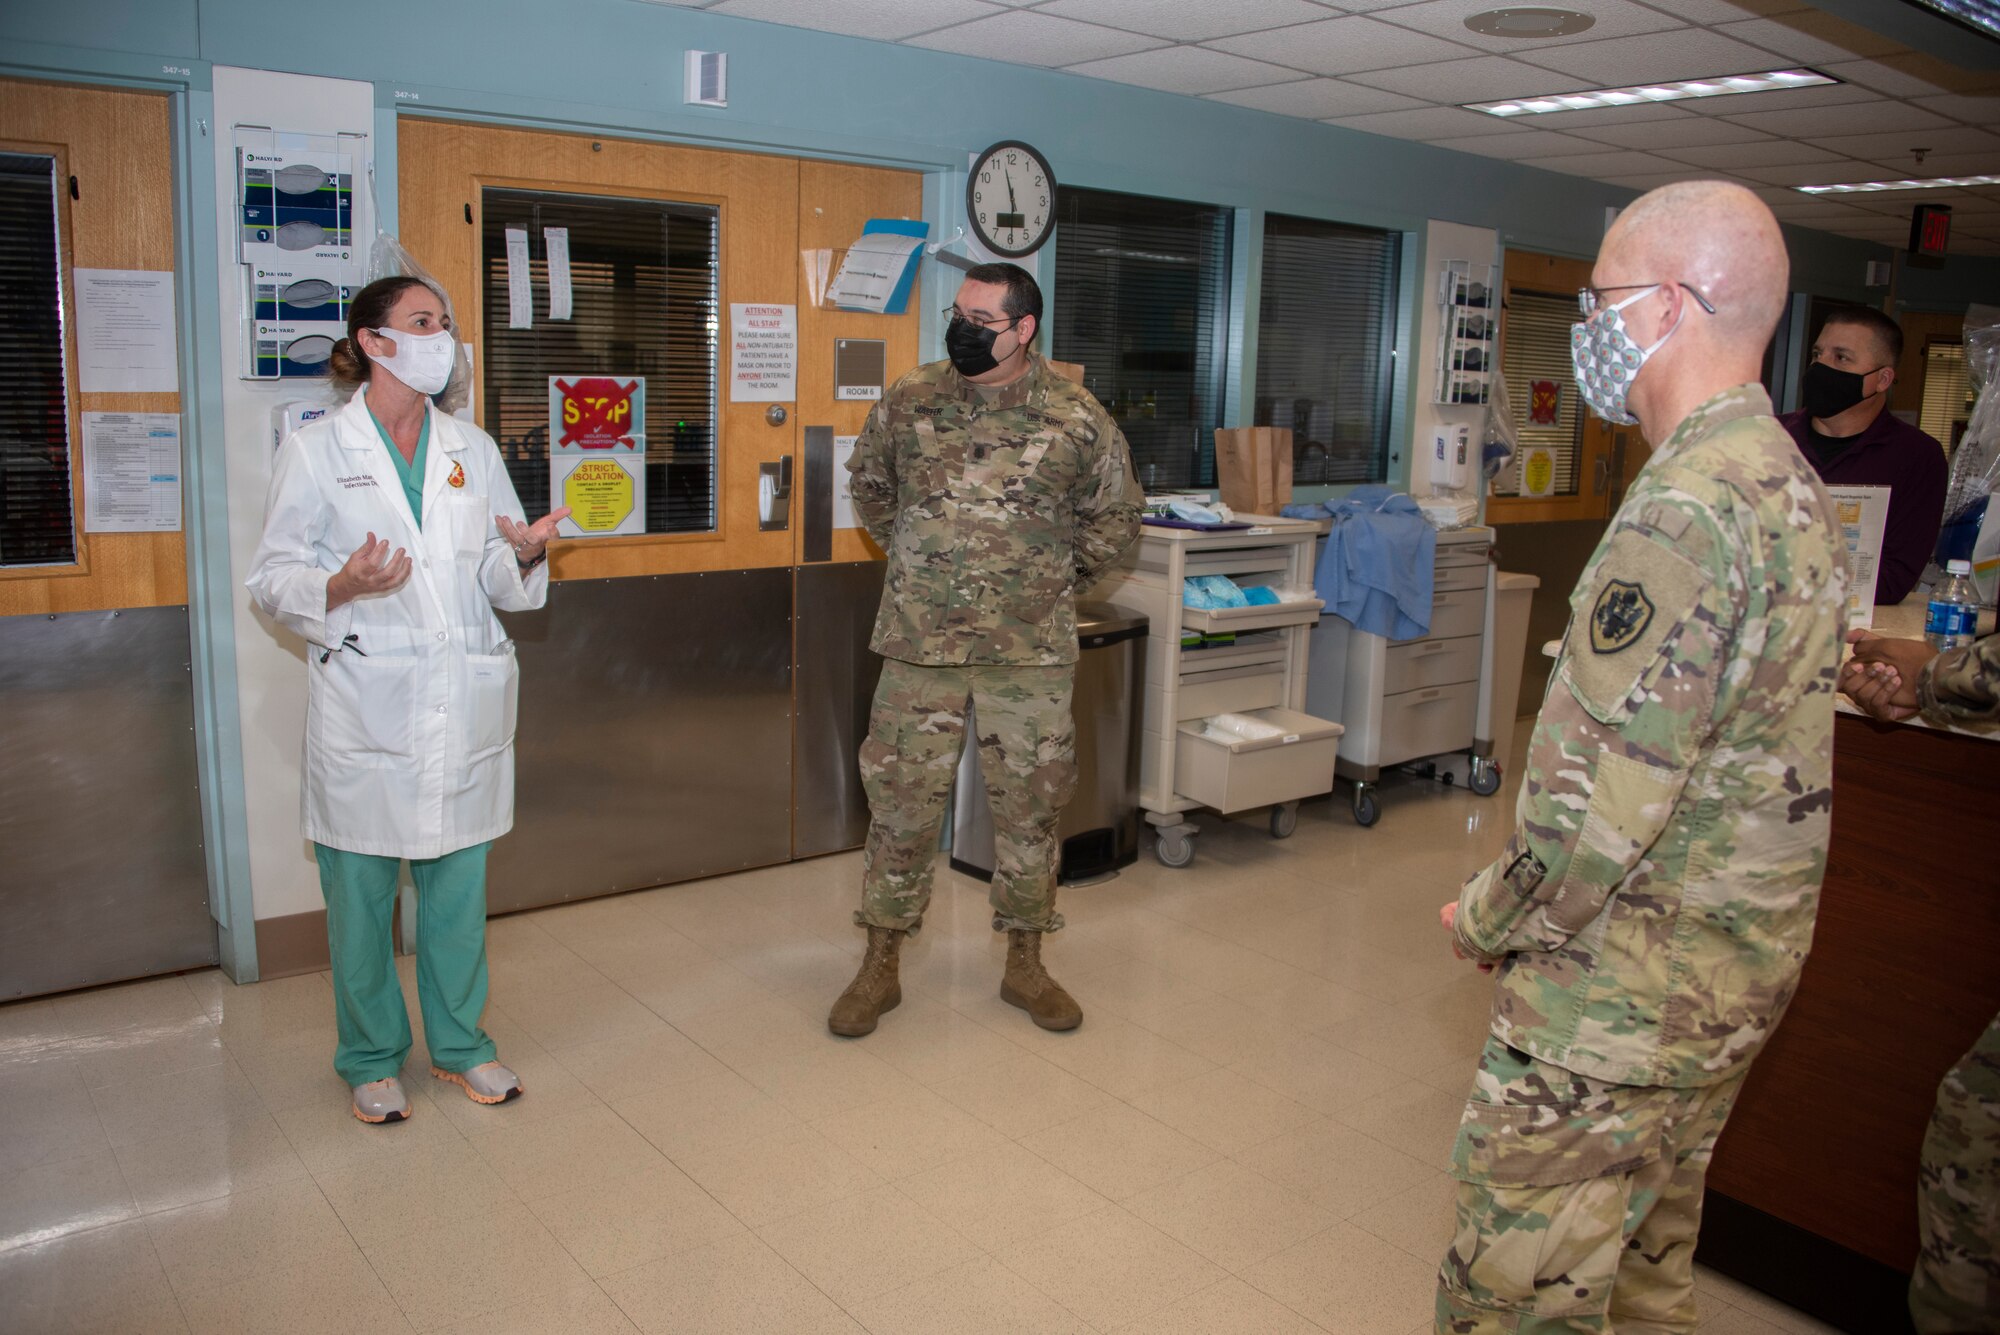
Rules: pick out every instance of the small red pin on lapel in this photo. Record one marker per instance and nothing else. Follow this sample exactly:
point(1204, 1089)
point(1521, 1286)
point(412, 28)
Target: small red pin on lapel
point(457, 478)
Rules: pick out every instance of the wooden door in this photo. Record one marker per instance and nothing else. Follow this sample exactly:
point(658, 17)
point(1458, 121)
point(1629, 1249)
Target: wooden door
point(1594, 460)
point(446, 169)
point(116, 147)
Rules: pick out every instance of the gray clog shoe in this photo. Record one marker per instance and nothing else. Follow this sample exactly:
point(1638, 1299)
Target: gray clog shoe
point(381, 1101)
point(490, 1083)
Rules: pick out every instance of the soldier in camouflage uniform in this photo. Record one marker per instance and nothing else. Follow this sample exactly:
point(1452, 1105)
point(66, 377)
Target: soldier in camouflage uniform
point(1955, 1287)
point(1648, 918)
point(997, 487)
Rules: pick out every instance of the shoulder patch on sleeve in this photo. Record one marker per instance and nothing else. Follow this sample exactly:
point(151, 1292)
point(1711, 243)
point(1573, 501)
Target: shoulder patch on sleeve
point(1624, 622)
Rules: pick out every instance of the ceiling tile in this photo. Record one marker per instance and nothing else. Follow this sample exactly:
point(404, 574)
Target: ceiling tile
point(1853, 118)
point(1881, 78)
point(1614, 162)
point(1810, 209)
point(887, 20)
point(1319, 99)
point(1342, 46)
point(1958, 106)
point(1480, 79)
point(1807, 173)
point(1645, 181)
point(1686, 131)
point(1424, 123)
point(1725, 11)
point(1937, 164)
point(1897, 144)
point(1810, 37)
point(1734, 157)
point(1186, 20)
point(1687, 53)
point(1024, 37)
point(1187, 69)
point(1446, 18)
point(1518, 144)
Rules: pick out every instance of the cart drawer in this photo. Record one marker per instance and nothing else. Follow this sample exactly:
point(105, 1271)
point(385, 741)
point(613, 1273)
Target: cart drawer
point(1461, 577)
point(1303, 612)
point(1230, 691)
point(1427, 722)
point(1456, 612)
point(1235, 774)
point(1463, 553)
point(1415, 664)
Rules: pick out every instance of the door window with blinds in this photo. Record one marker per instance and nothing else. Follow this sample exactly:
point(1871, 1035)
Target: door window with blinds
point(1947, 394)
point(644, 296)
point(1325, 345)
point(1141, 288)
point(1534, 356)
point(37, 521)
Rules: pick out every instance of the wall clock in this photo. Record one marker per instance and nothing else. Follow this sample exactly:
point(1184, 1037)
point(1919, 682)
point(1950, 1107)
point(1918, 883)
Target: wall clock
point(1010, 199)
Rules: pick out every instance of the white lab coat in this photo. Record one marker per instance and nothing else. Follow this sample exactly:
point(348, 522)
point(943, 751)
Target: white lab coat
point(410, 706)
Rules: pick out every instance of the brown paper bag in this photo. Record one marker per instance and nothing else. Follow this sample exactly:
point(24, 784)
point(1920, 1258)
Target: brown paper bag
point(1253, 468)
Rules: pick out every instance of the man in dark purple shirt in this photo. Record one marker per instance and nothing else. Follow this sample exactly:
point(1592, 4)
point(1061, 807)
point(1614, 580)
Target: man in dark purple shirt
point(1849, 436)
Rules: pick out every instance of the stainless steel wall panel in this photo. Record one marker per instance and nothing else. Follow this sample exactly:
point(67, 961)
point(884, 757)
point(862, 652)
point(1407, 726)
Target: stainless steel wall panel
point(103, 877)
point(655, 735)
point(835, 675)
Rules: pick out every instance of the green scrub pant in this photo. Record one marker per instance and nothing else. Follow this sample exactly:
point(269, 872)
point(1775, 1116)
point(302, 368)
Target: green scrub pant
point(373, 1022)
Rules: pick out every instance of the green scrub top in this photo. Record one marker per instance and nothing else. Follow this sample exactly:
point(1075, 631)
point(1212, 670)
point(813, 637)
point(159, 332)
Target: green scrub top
point(411, 474)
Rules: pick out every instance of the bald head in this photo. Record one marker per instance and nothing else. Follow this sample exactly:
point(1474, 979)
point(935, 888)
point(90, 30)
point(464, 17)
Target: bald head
point(1719, 239)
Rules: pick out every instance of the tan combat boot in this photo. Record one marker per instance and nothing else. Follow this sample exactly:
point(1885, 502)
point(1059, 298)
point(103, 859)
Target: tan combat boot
point(1028, 985)
point(874, 989)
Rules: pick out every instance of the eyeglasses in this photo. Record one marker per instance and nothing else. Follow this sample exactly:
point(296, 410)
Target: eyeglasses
point(1589, 299)
point(952, 312)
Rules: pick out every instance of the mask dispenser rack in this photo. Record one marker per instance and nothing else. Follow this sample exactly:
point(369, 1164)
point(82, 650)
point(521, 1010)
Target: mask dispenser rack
point(298, 218)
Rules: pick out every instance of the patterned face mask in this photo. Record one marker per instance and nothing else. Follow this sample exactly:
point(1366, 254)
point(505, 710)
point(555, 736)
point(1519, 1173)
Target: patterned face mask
point(1607, 359)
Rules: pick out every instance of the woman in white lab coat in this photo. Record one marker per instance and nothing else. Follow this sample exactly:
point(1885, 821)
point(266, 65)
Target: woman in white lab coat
point(392, 533)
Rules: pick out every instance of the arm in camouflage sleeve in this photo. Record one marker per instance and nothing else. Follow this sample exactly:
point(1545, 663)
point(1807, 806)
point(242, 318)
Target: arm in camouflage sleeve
point(1107, 504)
point(871, 471)
point(1963, 685)
point(1620, 731)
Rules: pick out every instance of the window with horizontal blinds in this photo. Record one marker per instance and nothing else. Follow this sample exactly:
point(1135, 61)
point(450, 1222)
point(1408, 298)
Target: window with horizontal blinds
point(37, 520)
point(1947, 394)
point(1142, 285)
point(1535, 346)
point(1326, 332)
point(643, 293)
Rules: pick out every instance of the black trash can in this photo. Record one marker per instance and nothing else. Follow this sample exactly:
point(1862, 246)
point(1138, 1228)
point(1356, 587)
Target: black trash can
point(1099, 829)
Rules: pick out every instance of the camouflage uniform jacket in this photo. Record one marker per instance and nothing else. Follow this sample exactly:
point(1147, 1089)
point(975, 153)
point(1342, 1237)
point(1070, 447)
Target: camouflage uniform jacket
point(992, 509)
point(1653, 908)
point(1963, 685)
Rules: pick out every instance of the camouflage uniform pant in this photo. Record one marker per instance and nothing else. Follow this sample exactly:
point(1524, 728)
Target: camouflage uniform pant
point(1956, 1286)
point(1578, 1201)
point(1027, 749)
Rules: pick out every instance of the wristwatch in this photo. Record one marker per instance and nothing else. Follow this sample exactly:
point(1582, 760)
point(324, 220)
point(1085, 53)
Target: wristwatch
point(526, 566)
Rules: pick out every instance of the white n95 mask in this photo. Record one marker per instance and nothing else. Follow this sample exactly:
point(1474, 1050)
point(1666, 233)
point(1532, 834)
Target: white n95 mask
point(1606, 358)
point(421, 361)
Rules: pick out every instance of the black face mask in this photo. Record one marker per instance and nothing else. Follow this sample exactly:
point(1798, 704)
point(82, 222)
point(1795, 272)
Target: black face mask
point(970, 347)
point(1829, 391)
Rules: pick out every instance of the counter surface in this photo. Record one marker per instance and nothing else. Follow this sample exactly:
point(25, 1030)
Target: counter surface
point(1905, 621)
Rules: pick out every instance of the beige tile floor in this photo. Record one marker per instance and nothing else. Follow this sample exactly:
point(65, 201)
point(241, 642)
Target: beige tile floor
point(1247, 1134)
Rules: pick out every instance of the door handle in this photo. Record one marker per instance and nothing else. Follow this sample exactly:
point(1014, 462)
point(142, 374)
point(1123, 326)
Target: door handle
point(774, 494)
point(1602, 483)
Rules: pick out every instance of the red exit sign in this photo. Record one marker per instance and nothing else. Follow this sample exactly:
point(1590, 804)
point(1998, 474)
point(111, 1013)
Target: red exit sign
point(1930, 229)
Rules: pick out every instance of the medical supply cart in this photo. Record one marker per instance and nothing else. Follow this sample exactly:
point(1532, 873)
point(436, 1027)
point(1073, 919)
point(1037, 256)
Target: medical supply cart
point(1260, 676)
point(1407, 700)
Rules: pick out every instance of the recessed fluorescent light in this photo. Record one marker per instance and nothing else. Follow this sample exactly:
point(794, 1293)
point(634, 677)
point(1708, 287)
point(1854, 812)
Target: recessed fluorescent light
point(1929, 183)
point(1773, 81)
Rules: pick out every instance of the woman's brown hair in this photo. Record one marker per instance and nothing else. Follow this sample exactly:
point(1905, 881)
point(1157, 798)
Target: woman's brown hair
point(348, 364)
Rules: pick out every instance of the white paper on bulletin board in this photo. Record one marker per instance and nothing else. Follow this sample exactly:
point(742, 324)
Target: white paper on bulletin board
point(1863, 512)
point(763, 353)
point(844, 515)
point(131, 473)
point(125, 331)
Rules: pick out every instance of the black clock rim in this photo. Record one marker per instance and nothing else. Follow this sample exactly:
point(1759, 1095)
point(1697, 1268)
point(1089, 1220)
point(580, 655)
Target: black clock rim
point(972, 214)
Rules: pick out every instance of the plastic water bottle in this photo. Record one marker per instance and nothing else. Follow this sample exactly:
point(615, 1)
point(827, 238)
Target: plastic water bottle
point(1953, 617)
